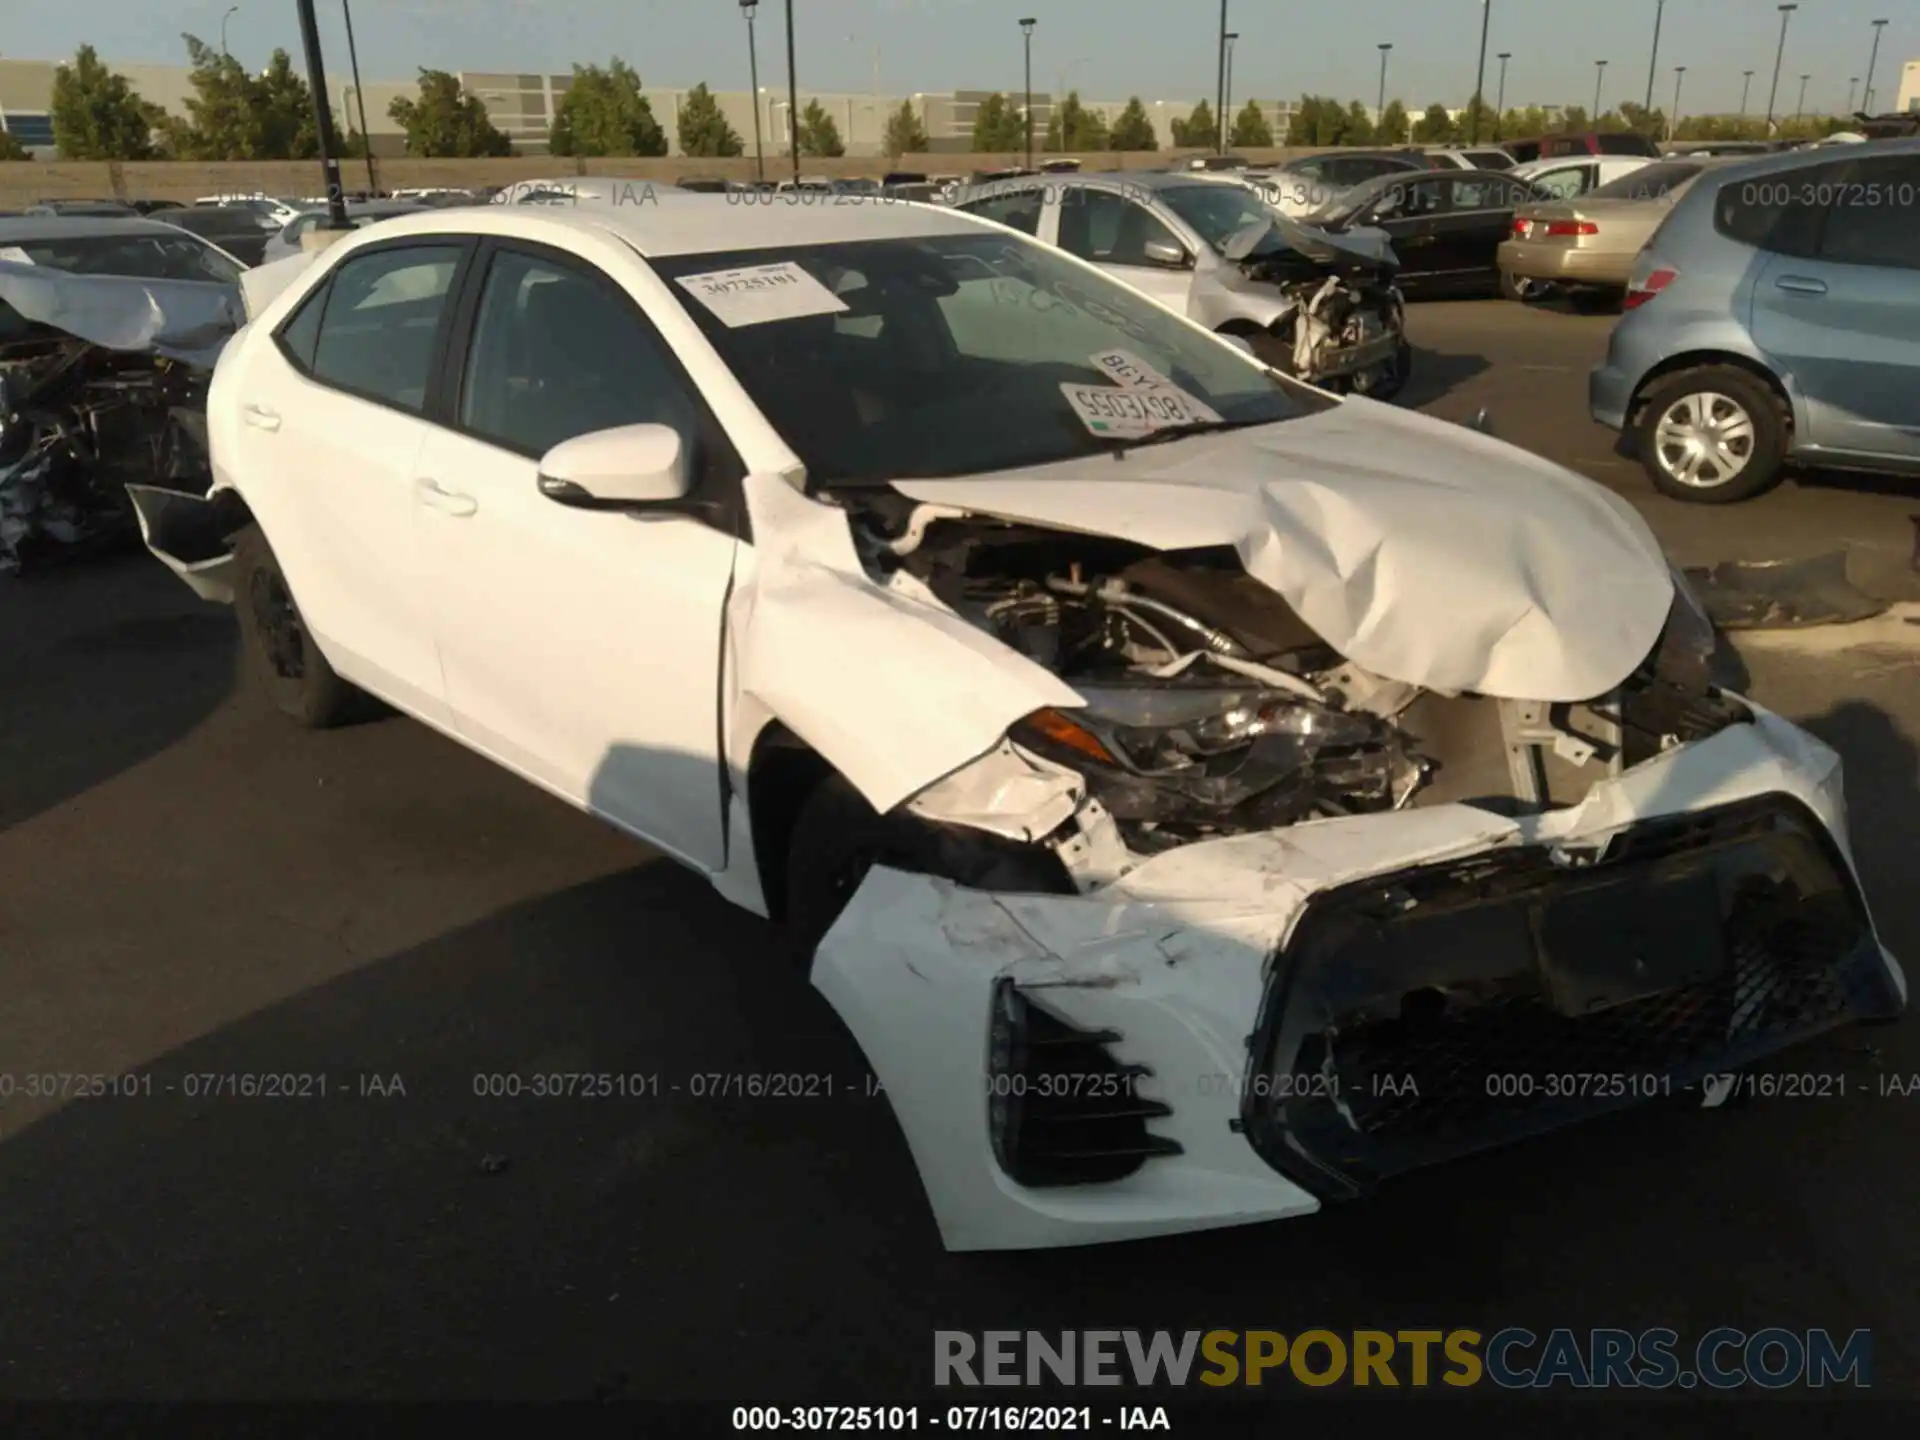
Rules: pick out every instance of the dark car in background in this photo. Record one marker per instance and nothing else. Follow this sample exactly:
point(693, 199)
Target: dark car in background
point(241, 232)
point(100, 208)
point(1446, 226)
point(113, 245)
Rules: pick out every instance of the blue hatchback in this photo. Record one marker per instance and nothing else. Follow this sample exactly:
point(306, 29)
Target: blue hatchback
point(1774, 317)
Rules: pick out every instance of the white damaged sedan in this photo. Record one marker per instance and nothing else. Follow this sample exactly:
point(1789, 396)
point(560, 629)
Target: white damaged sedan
point(1202, 798)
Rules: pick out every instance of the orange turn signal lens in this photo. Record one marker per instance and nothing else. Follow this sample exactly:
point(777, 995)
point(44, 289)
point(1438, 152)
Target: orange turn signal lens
point(1062, 730)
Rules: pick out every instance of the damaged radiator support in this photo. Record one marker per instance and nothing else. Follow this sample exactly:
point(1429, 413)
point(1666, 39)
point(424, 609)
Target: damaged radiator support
point(78, 423)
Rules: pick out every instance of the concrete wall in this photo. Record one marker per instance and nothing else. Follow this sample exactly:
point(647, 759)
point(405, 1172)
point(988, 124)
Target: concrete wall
point(22, 182)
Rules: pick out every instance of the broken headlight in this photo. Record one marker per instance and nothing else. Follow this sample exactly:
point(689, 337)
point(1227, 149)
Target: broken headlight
point(1226, 758)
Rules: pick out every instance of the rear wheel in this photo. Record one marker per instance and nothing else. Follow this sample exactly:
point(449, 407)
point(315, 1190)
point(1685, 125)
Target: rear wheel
point(1518, 287)
point(297, 677)
point(1597, 302)
point(1712, 436)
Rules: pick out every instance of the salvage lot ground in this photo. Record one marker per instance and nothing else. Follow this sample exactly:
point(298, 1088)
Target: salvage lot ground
point(188, 887)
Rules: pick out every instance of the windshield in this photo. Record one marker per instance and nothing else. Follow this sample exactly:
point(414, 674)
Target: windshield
point(1649, 182)
point(951, 353)
point(143, 257)
point(1215, 211)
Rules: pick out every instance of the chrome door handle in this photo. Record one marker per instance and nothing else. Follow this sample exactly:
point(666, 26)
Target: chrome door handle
point(447, 502)
point(260, 417)
point(1801, 285)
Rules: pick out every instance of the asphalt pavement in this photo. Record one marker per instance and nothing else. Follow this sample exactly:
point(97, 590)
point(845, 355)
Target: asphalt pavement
point(191, 890)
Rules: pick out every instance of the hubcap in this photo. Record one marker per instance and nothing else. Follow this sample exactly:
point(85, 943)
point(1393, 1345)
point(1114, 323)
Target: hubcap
point(278, 622)
point(1704, 440)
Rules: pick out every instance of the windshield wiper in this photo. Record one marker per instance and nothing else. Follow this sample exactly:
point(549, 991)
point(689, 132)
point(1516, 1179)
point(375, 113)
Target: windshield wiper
point(1182, 432)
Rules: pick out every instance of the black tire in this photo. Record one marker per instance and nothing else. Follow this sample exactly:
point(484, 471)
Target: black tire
point(1765, 456)
point(838, 837)
point(291, 668)
point(1597, 302)
point(1396, 380)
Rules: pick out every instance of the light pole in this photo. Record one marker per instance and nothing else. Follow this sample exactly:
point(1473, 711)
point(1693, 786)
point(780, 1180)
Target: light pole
point(233, 10)
point(1773, 94)
point(1745, 85)
point(1852, 82)
point(1673, 120)
point(1660, 9)
point(1800, 106)
point(1478, 102)
point(1220, 130)
point(1866, 95)
point(1599, 74)
point(1228, 104)
point(360, 99)
point(1500, 105)
point(1026, 115)
point(747, 8)
point(322, 117)
point(793, 97)
point(1381, 108)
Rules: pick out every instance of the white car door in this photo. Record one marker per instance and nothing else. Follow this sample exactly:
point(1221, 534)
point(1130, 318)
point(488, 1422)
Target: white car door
point(581, 647)
point(326, 420)
point(1128, 241)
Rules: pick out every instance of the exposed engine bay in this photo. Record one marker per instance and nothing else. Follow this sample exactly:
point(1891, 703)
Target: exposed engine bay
point(78, 422)
point(1212, 709)
point(1345, 326)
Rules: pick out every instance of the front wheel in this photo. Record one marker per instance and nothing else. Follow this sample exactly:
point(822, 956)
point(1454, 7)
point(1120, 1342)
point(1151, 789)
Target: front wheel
point(1712, 436)
point(1390, 379)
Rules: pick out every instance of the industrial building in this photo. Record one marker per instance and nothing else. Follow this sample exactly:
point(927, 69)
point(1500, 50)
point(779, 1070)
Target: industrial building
point(523, 106)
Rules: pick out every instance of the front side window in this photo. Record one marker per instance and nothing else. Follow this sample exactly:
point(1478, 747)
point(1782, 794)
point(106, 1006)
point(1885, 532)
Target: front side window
point(1215, 212)
point(1411, 200)
point(378, 316)
point(558, 353)
point(1109, 229)
point(1020, 209)
point(1564, 184)
point(951, 352)
point(1650, 182)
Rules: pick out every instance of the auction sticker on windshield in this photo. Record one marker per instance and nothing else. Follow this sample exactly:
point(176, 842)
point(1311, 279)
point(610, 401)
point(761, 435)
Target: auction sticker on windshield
point(1128, 369)
point(1130, 414)
point(762, 293)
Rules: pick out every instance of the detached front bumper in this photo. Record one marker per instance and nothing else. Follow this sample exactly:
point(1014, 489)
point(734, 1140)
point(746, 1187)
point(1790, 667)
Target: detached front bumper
point(1242, 1029)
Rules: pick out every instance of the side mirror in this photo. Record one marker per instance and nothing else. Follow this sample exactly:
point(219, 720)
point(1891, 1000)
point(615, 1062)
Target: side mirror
point(629, 465)
point(1165, 253)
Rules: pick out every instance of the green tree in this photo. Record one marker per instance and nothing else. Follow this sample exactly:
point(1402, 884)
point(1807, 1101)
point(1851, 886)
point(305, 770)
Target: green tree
point(1393, 127)
point(905, 134)
point(604, 112)
point(1321, 120)
point(11, 148)
point(1523, 124)
point(97, 115)
point(1132, 130)
point(1076, 128)
point(1435, 127)
point(703, 129)
point(818, 134)
point(1478, 124)
point(1199, 131)
point(998, 127)
point(1251, 130)
point(1359, 125)
point(1572, 121)
point(232, 115)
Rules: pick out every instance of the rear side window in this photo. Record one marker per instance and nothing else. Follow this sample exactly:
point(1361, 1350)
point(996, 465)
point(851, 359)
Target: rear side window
point(370, 329)
point(1649, 182)
point(1873, 215)
point(1781, 212)
point(1627, 143)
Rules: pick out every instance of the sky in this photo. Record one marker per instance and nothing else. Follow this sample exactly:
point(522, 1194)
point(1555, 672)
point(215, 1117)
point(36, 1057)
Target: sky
point(1107, 49)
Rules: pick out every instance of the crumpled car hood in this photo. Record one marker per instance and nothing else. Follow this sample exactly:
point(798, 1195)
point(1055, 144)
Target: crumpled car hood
point(1425, 552)
point(188, 320)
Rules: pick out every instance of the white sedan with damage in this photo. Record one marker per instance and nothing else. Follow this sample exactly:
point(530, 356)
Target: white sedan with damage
point(1202, 798)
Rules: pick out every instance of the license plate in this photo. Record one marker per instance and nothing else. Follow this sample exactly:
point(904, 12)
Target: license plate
point(1133, 413)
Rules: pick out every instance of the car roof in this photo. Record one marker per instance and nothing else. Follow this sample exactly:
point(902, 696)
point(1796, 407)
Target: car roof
point(666, 222)
point(16, 229)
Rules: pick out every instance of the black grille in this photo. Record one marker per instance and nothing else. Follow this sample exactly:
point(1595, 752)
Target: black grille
point(1452, 1008)
point(1061, 1109)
